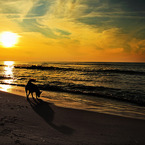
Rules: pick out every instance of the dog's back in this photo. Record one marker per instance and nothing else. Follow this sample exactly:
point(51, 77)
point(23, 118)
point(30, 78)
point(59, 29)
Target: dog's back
point(32, 87)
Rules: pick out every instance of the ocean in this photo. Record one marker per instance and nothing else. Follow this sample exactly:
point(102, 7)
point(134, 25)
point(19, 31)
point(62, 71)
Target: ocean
point(108, 87)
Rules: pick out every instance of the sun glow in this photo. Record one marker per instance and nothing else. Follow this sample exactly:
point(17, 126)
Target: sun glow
point(9, 39)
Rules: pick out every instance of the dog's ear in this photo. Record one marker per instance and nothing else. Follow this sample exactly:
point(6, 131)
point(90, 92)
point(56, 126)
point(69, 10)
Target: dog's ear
point(40, 92)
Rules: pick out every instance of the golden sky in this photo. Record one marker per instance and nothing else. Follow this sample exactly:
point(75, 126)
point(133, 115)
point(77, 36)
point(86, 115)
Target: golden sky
point(74, 30)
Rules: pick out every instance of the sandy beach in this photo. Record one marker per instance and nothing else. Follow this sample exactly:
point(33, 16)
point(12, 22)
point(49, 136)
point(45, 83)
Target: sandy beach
point(35, 122)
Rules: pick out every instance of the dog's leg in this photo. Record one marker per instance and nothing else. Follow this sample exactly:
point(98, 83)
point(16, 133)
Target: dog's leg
point(26, 91)
point(36, 95)
point(32, 95)
point(27, 94)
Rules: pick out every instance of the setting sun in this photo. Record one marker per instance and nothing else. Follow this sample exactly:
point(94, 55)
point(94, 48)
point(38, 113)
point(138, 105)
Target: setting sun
point(8, 39)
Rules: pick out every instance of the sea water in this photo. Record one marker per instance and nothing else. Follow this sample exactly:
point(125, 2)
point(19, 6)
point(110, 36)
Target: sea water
point(117, 88)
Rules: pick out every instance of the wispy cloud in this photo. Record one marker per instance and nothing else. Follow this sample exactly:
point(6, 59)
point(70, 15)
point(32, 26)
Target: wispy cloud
point(16, 8)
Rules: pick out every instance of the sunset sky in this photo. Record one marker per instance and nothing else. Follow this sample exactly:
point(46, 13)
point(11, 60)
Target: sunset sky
point(74, 30)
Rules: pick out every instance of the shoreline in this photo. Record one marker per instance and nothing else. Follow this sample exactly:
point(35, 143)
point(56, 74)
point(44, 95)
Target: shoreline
point(101, 105)
point(25, 121)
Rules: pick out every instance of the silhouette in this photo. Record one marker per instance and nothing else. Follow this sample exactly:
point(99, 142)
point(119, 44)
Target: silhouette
point(45, 111)
point(32, 88)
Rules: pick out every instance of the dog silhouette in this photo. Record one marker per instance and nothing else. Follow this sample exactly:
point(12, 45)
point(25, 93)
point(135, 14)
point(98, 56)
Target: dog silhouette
point(31, 88)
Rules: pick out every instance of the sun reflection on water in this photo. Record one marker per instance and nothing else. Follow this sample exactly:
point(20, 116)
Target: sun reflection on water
point(5, 87)
point(8, 73)
point(8, 76)
point(9, 63)
point(8, 69)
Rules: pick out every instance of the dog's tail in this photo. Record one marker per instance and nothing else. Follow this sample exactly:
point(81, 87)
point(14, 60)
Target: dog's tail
point(31, 80)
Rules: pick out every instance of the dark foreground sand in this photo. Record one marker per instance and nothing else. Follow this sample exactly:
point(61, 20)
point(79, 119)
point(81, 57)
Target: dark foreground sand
point(31, 122)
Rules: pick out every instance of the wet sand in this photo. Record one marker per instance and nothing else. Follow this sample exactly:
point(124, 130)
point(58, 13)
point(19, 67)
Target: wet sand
point(32, 122)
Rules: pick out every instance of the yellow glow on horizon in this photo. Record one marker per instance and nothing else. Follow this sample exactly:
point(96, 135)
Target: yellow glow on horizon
point(9, 39)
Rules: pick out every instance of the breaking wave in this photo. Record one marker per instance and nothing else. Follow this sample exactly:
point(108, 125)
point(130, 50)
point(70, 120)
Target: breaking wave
point(110, 71)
